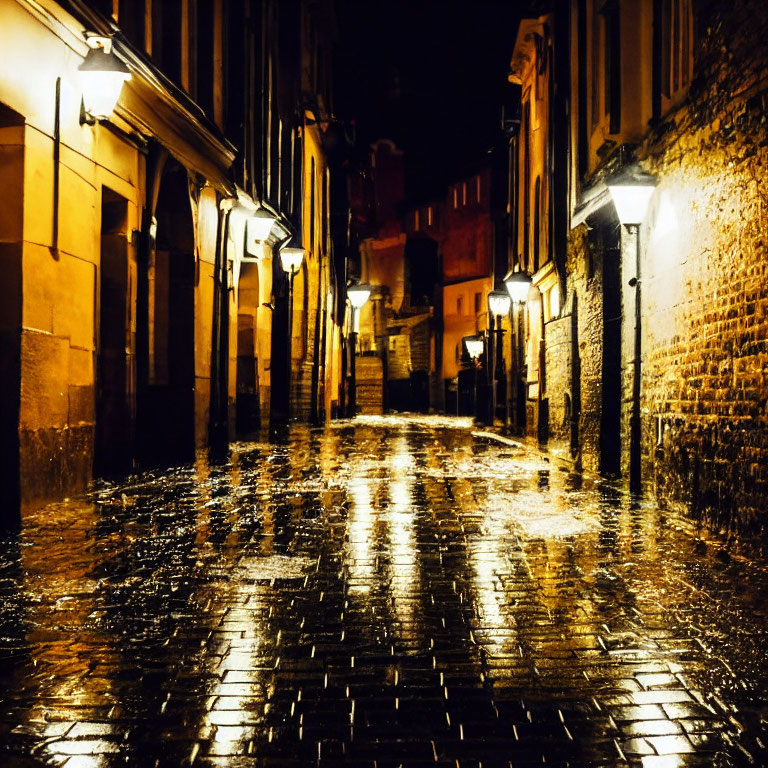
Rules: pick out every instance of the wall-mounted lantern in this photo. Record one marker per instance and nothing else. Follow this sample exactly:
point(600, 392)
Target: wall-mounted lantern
point(631, 193)
point(103, 75)
point(258, 227)
point(518, 285)
point(358, 294)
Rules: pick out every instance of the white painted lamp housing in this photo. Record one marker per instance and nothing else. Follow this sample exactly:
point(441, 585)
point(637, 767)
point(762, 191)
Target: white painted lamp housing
point(474, 345)
point(102, 78)
point(290, 259)
point(631, 193)
point(358, 294)
point(518, 285)
point(499, 302)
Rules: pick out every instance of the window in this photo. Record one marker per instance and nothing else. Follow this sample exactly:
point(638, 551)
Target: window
point(606, 64)
point(612, 67)
point(131, 20)
point(552, 303)
point(459, 305)
point(478, 188)
point(596, 43)
point(203, 79)
point(312, 206)
point(464, 193)
point(325, 209)
point(166, 37)
point(536, 223)
point(455, 197)
point(583, 138)
point(416, 219)
point(676, 48)
point(526, 190)
point(478, 302)
point(429, 216)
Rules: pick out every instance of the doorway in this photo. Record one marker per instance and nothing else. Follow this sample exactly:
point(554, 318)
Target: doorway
point(113, 449)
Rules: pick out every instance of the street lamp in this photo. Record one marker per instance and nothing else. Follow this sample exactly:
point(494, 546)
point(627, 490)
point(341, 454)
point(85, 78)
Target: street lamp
point(259, 226)
point(518, 286)
point(631, 192)
point(357, 295)
point(499, 304)
point(103, 75)
point(474, 346)
point(290, 261)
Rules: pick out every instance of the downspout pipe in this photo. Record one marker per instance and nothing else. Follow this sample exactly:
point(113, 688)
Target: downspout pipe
point(217, 423)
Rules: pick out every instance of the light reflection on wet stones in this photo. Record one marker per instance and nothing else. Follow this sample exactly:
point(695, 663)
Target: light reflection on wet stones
point(393, 592)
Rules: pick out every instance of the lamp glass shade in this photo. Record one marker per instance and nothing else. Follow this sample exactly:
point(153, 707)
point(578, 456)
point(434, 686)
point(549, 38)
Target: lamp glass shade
point(499, 302)
point(291, 258)
point(631, 201)
point(102, 78)
point(518, 284)
point(260, 225)
point(358, 294)
point(474, 346)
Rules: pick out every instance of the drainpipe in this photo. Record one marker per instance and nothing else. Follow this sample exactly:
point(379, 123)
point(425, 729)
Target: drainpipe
point(314, 415)
point(56, 169)
point(218, 425)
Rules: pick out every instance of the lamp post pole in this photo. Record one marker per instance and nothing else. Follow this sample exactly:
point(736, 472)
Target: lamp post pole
point(631, 191)
point(513, 366)
point(290, 259)
point(352, 368)
point(499, 383)
point(289, 345)
point(499, 301)
point(635, 475)
point(357, 295)
point(490, 362)
point(475, 346)
point(518, 285)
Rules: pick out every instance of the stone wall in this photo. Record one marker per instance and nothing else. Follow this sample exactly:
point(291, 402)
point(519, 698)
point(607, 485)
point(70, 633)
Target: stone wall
point(585, 289)
point(705, 288)
point(557, 334)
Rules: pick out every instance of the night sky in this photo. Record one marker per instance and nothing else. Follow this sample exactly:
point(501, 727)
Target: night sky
point(429, 74)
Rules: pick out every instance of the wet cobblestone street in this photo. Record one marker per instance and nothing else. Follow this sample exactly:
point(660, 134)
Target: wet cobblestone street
point(385, 592)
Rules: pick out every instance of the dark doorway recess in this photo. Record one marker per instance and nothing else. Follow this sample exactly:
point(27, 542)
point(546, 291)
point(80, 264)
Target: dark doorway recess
point(113, 450)
point(168, 421)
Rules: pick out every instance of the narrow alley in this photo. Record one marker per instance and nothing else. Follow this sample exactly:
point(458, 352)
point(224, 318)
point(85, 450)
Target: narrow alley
point(386, 591)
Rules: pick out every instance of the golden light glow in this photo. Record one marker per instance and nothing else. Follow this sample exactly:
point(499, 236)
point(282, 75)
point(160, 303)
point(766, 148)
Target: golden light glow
point(404, 553)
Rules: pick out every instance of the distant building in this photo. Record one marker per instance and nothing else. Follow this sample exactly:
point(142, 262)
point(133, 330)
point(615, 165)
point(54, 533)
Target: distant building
point(466, 270)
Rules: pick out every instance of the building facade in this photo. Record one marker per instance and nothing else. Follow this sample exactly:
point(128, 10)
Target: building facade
point(138, 323)
point(653, 355)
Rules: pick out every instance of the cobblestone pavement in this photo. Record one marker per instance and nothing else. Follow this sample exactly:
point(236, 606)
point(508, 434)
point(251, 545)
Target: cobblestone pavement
point(385, 592)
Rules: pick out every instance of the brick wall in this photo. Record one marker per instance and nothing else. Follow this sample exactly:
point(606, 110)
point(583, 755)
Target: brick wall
point(705, 287)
